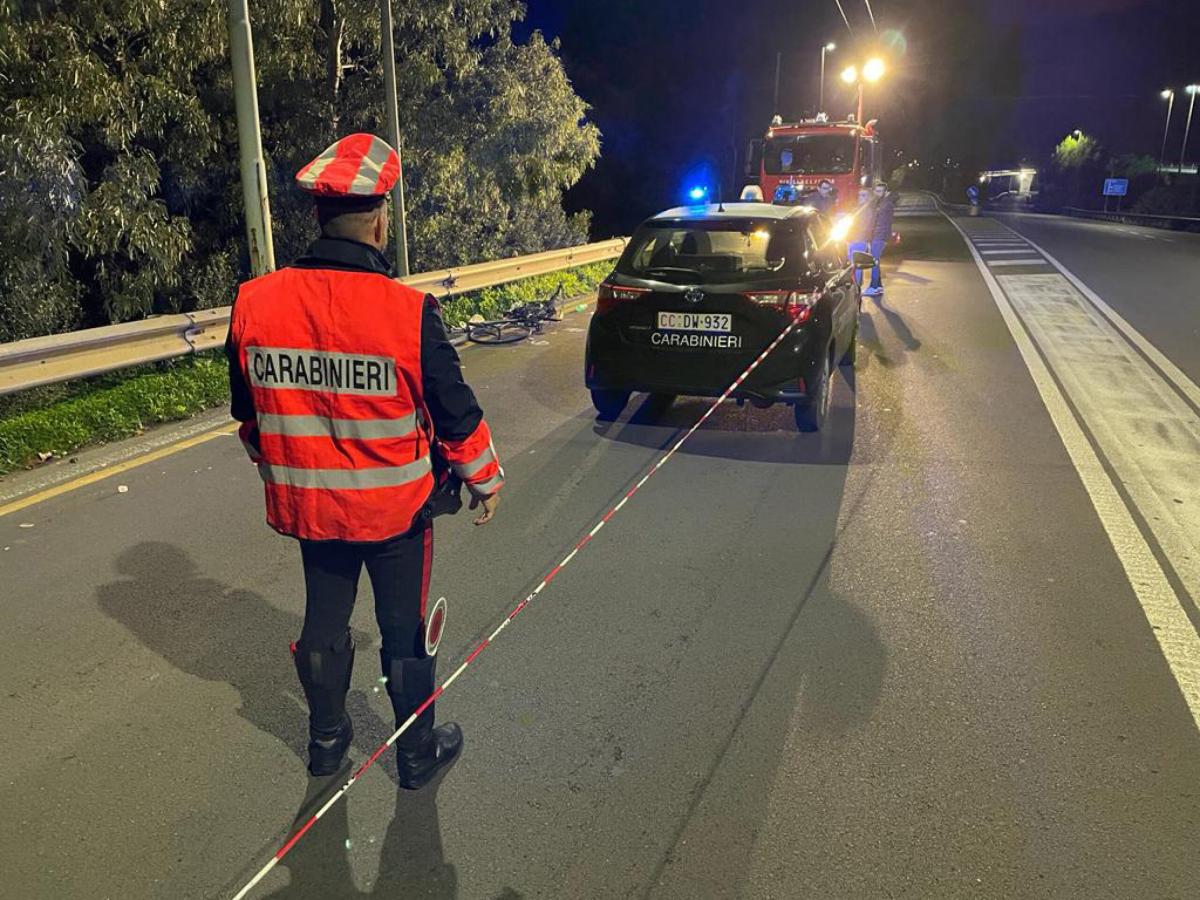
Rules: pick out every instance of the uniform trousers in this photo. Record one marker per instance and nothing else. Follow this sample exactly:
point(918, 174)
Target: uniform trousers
point(399, 571)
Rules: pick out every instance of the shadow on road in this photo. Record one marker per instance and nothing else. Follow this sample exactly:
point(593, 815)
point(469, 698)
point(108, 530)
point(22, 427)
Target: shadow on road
point(871, 341)
point(820, 680)
point(743, 433)
point(896, 322)
point(815, 676)
point(411, 859)
point(220, 634)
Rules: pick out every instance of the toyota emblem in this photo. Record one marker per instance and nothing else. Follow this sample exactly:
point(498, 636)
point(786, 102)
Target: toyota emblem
point(693, 295)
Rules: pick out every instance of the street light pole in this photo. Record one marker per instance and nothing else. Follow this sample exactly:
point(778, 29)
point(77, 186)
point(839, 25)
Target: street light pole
point(825, 49)
point(255, 198)
point(1192, 89)
point(1169, 96)
point(775, 102)
point(393, 115)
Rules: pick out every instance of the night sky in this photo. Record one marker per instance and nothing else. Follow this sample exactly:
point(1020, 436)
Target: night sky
point(678, 88)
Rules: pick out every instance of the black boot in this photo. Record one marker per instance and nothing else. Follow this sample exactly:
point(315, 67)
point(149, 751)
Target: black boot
point(325, 677)
point(422, 751)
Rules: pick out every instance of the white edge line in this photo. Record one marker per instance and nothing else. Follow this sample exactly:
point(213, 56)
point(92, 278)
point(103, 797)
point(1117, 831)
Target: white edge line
point(1174, 374)
point(1177, 639)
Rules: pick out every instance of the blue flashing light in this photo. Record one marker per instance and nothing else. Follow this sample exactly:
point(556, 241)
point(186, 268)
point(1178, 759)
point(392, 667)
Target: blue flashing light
point(698, 193)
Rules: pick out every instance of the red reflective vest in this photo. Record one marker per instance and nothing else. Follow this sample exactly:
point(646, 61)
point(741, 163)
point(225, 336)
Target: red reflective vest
point(333, 363)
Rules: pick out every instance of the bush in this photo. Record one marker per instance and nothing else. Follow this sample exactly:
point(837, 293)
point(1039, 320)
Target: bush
point(1167, 200)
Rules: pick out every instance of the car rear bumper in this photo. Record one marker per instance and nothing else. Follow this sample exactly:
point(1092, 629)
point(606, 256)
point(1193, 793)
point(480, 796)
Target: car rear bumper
point(613, 364)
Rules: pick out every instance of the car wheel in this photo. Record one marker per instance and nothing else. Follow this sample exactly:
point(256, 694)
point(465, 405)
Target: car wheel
point(812, 411)
point(609, 403)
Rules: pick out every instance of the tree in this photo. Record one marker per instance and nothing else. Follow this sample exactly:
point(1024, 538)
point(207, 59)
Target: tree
point(118, 143)
point(96, 100)
point(1076, 151)
point(1075, 155)
point(1133, 165)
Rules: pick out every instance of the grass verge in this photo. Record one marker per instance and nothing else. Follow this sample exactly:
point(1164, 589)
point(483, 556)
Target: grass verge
point(57, 420)
point(99, 413)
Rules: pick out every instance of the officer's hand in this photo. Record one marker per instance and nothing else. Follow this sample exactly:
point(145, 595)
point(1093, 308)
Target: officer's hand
point(490, 505)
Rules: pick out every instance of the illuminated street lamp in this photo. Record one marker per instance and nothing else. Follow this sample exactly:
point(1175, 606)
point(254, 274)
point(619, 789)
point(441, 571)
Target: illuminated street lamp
point(872, 71)
point(828, 48)
point(1192, 89)
point(1169, 96)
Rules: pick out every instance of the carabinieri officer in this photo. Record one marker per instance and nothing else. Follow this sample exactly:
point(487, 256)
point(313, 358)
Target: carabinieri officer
point(348, 390)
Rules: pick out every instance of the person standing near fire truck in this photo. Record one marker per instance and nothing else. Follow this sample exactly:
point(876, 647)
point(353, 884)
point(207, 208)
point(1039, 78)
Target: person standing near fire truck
point(350, 396)
point(859, 236)
point(883, 212)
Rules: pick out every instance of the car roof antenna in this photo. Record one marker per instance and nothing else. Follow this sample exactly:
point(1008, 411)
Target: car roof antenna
point(720, 200)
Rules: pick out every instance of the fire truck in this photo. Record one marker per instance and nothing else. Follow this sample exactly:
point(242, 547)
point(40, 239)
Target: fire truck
point(805, 152)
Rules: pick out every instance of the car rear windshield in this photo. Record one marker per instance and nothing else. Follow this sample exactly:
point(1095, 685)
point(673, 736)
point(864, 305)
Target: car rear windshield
point(711, 252)
point(809, 154)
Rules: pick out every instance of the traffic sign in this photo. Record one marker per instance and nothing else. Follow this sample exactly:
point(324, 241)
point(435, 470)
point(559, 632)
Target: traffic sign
point(1116, 187)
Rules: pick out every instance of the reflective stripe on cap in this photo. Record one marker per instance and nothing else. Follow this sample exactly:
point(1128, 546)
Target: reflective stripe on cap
point(359, 165)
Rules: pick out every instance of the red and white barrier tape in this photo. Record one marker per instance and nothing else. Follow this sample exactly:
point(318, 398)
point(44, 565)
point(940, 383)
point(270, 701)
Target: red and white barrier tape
point(474, 654)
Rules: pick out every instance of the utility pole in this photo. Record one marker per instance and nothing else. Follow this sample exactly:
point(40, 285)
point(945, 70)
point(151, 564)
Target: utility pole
point(393, 115)
point(254, 173)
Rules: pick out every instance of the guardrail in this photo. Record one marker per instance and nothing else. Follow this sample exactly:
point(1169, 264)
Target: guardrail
point(1176, 223)
point(95, 351)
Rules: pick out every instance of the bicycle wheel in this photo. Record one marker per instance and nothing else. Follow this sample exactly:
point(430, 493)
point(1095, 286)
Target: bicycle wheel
point(502, 332)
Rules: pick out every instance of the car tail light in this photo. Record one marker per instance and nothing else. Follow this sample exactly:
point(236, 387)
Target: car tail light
point(611, 295)
point(796, 304)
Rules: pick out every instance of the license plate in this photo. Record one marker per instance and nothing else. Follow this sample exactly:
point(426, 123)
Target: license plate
point(713, 323)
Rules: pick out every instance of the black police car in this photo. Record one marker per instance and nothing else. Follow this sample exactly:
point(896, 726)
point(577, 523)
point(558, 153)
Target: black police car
point(701, 291)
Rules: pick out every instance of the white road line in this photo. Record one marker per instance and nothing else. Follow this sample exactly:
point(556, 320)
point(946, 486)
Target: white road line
point(1005, 252)
point(1174, 374)
point(1027, 261)
point(1172, 629)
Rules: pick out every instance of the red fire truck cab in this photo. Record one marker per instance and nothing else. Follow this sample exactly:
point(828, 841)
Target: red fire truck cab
point(805, 152)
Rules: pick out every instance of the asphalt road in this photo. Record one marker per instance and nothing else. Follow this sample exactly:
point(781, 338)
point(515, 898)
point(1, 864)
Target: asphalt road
point(1149, 275)
point(898, 659)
